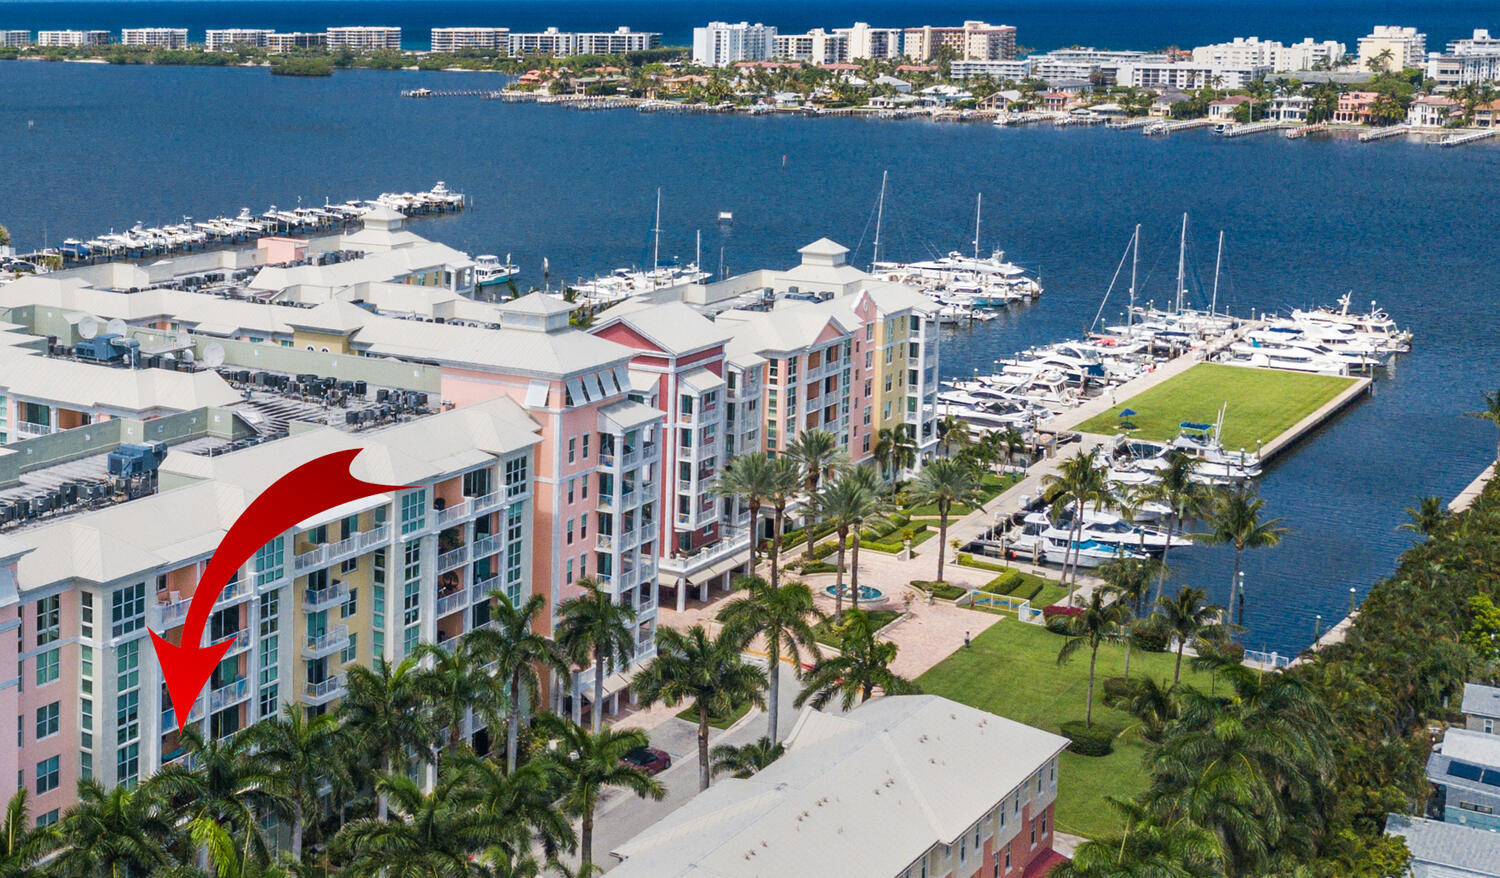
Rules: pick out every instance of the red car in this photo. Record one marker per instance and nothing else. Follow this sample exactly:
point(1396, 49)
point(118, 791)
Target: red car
point(648, 759)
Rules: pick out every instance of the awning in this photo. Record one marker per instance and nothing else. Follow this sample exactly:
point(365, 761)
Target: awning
point(721, 567)
point(621, 416)
point(702, 380)
point(612, 684)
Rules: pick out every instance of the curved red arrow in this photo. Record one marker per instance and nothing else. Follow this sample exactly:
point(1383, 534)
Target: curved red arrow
point(316, 486)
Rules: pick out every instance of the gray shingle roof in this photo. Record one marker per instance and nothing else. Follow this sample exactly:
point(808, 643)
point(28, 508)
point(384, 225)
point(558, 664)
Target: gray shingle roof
point(1460, 850)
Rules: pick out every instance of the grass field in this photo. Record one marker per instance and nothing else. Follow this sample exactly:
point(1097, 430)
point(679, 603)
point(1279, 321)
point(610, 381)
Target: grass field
point(1011, 670)
point(1263, 403)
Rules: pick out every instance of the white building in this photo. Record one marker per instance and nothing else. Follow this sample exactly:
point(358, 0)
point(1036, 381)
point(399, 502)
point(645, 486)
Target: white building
point(1308, 54)
point(14, 37)
point(72, 38)
point(363, 38)
point(871, 42)
point(222, 40)
point(721, 44)
point(155, 37)
point(1430, 111)
point(616, 42)
point(1407, 47)
point(548, 42)
point(1476, 59)
point(454, 39)
point(1255, 52)
point(891, 788)
point(1083, 62)
point(1289, 108)
point(815, 47)
point(1016, 69)
point(1184, 75)
point(973, 41)
point(290, 41)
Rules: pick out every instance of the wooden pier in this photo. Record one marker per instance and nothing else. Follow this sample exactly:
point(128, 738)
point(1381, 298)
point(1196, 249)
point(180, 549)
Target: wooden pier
point(1250, 128)
point(1165, 127)
point(1383, 133)
point(1130, 124)
point(1461, 139)
point(1302, 131)
point(449, 93)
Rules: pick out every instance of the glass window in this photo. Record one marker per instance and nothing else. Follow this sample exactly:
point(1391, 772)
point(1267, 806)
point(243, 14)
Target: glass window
point(47, 719)
point(128, 609)
point(413, 511)
point(47, 774)
point(268, 698)
point(47, 664)
point(515, 474)
point(269, 562)
point(48, 619)
point(411, 556)
point(269, 659)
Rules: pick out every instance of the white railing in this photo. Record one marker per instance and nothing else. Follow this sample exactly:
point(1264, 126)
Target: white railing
point(487, 545)
point(324, 598)
point(480, 591)
point(27, 428)
point(224, 696)
point(240, 643)
point(329, 553)
point(174, 612)
point(450, 603)
point(327, 688)
point(606, 458)
point(334, 638)
point(453, 558)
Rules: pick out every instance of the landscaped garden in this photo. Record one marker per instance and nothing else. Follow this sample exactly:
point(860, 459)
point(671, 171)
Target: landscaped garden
point(1262, 404)
point(1011, 670)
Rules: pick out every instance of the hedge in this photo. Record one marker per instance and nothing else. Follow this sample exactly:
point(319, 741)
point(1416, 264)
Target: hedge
point(824, 550)
point(819, 567)
point(940, 589)
point(1005, 583)
point(1150, 641)
point(1089, 740)
point(888, 548)
point(1061, 610)
point(966, 560)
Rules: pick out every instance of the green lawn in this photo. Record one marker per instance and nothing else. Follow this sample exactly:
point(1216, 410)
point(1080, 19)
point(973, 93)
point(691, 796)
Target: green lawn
point(1263, 403)
point(824, 630)
point(719, 722)
point(1011, 670)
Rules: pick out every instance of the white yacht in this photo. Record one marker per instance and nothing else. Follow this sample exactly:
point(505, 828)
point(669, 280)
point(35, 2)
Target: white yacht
point(489, 271)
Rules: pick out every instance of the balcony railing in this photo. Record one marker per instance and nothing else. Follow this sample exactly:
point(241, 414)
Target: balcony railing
point(174, 612)
point(235, 692)
point(731, 541)
point(27, 428)
point(329, 553)
point(453, 558)
point(604, 541)
point(240, 643)
point(315, 599)
point(480, 591)
point(319, 645)
point(487, 545)
point(451, 603)
point(326, 689)
point(470, 506)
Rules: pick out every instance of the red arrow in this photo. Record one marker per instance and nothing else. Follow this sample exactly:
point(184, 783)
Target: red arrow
point(316, 486)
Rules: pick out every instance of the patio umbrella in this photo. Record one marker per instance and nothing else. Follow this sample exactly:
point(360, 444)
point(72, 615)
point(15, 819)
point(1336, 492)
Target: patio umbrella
point(1125, 424)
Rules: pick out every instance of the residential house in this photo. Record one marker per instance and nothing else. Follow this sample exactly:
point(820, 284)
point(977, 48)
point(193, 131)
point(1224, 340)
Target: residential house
point(1430, 111)
point(1223, 109)
point(1354, 107)
point(1465, 769)
point(1446, 850)
point(1289, 108)
point(1481, 708)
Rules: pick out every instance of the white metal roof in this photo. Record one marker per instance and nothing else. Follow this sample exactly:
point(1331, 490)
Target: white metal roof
point(90, 387)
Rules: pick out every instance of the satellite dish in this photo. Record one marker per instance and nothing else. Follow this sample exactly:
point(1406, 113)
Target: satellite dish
point(88, 326)
point(115, 326)
point(183, 338)
point(213, 355)
point(187, 355)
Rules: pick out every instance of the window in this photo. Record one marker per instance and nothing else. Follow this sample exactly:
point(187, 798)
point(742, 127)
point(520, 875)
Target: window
point(268, 698)
point(963, 849)
point(46, 667)
point(570, 531)
point(86, 766)
point(86, 668)
point(413, 511)
point(411, 603)
point(1033, 833)
point(86, 614)
point(47, 772)
point(572, 452)
point(570, 489)
point(569, 578)
point(585, 446)
point(48, 619)
point(270, 621)
point(411, 561)
point(128, 716)
point(127, 764)
point(515, 476)
point(270, 560)
point(349, 652)
point(1007, 859)
point(270, 654)
point(128, 609)
point(1043, 820)
point(47, 720)
point(350, 606)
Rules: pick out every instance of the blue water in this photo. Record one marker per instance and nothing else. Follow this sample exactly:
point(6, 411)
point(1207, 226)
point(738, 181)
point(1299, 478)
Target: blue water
point(1409, 225)
point(1148, 24)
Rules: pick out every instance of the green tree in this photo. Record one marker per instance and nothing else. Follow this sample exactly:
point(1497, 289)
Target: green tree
point(520, 651)
point(224, 784)
point(946, 483)
point(1145, 848)
point(301, 752)
point(1186, 616)
point(708, 671)
point(1236, 521)
point(1129, 581)
point(1099, 623)
point(1079, 484)
point(785, 481)
point(594, 628)
point(110, 834)
point(1427, 516)
point(456, 681)
point(781, 616)
point(1491, 413)
point(1185, 497)
point(818, 454)
point(747, 759)
point(587, 764)
point(1483, 631)
point(430, 836)
point(517, 806)
point(895, 450)
point(385, 713)
point(751, 479)
point(848, 504)
point(22, 844)
point(861, 667)
point(953, 434)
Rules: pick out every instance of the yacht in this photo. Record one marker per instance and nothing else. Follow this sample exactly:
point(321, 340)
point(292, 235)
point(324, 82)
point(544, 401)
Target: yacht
point(489, 271)
point(1273, 355)
point(1375, 325)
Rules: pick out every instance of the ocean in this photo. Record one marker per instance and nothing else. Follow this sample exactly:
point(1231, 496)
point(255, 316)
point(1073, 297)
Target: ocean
point(87, 148)
point(1148, 24)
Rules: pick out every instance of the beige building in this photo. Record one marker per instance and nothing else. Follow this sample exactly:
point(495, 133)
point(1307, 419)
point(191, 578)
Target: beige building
point(1406, 47)
point(974, 41)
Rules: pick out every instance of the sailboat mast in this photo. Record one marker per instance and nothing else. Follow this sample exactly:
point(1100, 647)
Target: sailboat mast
point(656, 232)
point(978, 206)
point(879, 217)
point(1135, 261)
point(1181, 262)
point(1218, 261)
point(698, 256)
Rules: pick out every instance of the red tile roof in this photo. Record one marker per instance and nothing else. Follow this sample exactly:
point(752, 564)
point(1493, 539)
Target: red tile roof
point(1042, 863)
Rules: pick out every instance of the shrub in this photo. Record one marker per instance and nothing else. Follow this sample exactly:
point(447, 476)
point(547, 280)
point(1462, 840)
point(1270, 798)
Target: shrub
point(1117, 688)
point(1058, 624)
point(1089, 741)
point(823, 551)
point(1061, 610)
point(879, 546)
point(967, 560)
point(1150, 641)
point(940, 589)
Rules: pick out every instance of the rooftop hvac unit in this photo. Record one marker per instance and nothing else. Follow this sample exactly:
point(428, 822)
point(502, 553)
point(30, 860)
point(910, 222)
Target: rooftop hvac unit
point(136, 459)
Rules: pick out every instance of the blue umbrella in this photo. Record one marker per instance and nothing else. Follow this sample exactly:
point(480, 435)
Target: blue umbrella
point(1127, 413)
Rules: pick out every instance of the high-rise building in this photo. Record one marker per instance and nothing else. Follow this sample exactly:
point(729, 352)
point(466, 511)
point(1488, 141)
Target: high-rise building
point(364, 38)
point(155, 37)
point(1255, 52)
point(290, 41)
point(14, 37)
point(548, 42)
point(864, 41)
point(72, 38)
point(974, 41)
point(224, 39)
point(616, 42)
point(721, 43)
point(815, 47)
point(454, 39)
point(1392, 48)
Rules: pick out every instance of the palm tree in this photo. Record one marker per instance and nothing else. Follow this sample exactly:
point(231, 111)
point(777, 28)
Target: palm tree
point(1129, 581)
point(748, 478)
point(22, 844)
point(124, 831)
point(518, 805)
point(520, 651)
point(1080, 483)
point(386, 714)
point(848, 504)
point(1429, 513)
point(586, 764)
point(1235, 521)
point(817, 452)
point(456, 681)
point(592, 627)
point(1491, 413)
point(861, 667)
point(226, 786)
point(1146, 847)
point(946, 483)
point(1185, 497)
point(953, 433)
point(780, 615)
point(895, 450)
point(1186, 617)
point(1098, 624)
point(300, 751)
point(747, 759)
point(431, 837)
point(785, 481)
point(710, 672)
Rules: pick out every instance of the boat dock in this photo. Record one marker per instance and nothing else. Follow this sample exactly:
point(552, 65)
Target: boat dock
point(1383, 133)
point(1130, 124)
point(1163, 127)
point(1294, 433)
point(452, 93)
point(1461, 139)
point(1468, 495)
point(1250, 128)
point(1302, 131)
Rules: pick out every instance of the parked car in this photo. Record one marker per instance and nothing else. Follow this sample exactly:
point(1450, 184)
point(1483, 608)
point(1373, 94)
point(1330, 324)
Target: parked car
point(648, 759)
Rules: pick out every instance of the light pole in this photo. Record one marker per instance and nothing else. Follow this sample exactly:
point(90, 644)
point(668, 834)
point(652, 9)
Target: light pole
point(1241, 597)
point(1351, 600)
point(1317, 627)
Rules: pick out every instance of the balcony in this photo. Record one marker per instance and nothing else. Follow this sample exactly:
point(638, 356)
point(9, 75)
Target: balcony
point(487, 545)
point(327, 690)
point(233, 693)
point(453, 559)
point(733, 541)
point(174, 611)
point(469, 507)
point(604, 542)
point(27, 428)
point(452, 603)
point(315, 599)
point(240, 643)
point(480, 591)
point(331, 553)
point(327, 643)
